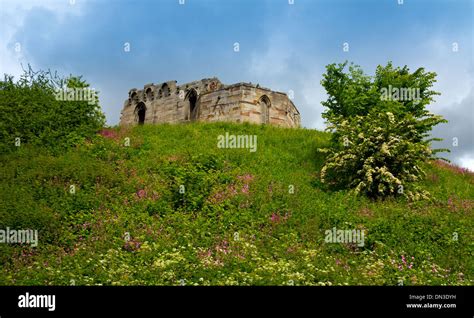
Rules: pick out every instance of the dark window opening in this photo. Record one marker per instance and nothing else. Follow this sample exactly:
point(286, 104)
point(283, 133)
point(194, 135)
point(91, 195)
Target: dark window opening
point(141, 111)
point(134, 97)
point(192, 104)
point(166, 90)
point(149, 94)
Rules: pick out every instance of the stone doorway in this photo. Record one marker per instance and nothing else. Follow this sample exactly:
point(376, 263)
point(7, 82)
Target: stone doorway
point(193, 97)
point(141, 112)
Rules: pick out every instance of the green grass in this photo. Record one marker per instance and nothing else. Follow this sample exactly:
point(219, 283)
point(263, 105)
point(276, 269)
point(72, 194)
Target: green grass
point(237, 221)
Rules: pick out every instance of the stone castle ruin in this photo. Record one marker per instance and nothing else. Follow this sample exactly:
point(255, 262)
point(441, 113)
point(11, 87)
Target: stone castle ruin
point(208, 100)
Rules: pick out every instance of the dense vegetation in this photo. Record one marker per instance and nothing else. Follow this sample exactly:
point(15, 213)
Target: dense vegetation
point(165, 205)
point(381, 128)
point(32, 111)
point(238, 220)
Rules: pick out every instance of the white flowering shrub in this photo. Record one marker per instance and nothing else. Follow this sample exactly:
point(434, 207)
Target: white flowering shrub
point(376, 155)
point(380, 138)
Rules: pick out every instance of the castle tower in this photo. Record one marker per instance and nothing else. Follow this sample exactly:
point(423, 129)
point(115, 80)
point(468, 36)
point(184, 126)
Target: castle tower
point(208, 100)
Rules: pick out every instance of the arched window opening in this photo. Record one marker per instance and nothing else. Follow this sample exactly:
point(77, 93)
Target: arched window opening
point(134, 97)
point(149, 94)
point(192, 98)
point(140, 111)
point(165, 90)
point(265, 104)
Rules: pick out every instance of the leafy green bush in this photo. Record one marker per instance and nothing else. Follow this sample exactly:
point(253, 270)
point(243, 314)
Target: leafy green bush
point(33, 111)
point(376, 156)
point(191, 183)
point(379, 141)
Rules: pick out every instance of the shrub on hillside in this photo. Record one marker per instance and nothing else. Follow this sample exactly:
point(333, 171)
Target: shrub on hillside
point(379, 142)
point(376, 156)
point(33, 112)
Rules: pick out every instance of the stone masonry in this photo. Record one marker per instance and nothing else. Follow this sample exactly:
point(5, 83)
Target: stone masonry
point(208, 100)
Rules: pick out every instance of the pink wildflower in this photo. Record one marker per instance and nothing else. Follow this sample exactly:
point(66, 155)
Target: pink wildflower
point(141, 193)
point(275, 218)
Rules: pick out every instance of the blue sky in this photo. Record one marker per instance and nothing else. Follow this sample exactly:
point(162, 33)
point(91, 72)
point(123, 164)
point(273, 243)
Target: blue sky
point(282, 46)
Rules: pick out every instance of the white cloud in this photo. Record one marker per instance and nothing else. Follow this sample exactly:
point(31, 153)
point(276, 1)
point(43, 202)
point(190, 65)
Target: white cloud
point(467, 162)
point(12, 16)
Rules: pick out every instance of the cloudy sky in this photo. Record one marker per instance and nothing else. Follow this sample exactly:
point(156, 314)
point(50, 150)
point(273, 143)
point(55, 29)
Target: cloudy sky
point(283, 45)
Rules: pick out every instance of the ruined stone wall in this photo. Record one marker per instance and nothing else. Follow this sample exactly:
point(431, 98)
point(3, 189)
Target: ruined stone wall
point(208, 100)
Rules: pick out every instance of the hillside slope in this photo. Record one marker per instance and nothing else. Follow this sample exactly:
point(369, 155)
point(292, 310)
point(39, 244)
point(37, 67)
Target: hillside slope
point(173, 208)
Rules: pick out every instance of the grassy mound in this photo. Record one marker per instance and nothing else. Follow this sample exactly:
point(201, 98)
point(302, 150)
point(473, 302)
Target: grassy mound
point(172, 208)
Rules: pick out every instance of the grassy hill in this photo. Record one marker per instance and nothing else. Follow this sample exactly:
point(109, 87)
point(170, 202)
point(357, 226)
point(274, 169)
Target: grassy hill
point(173, 208)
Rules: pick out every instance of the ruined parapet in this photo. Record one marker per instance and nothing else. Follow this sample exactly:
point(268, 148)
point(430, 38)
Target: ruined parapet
point(208, 100)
